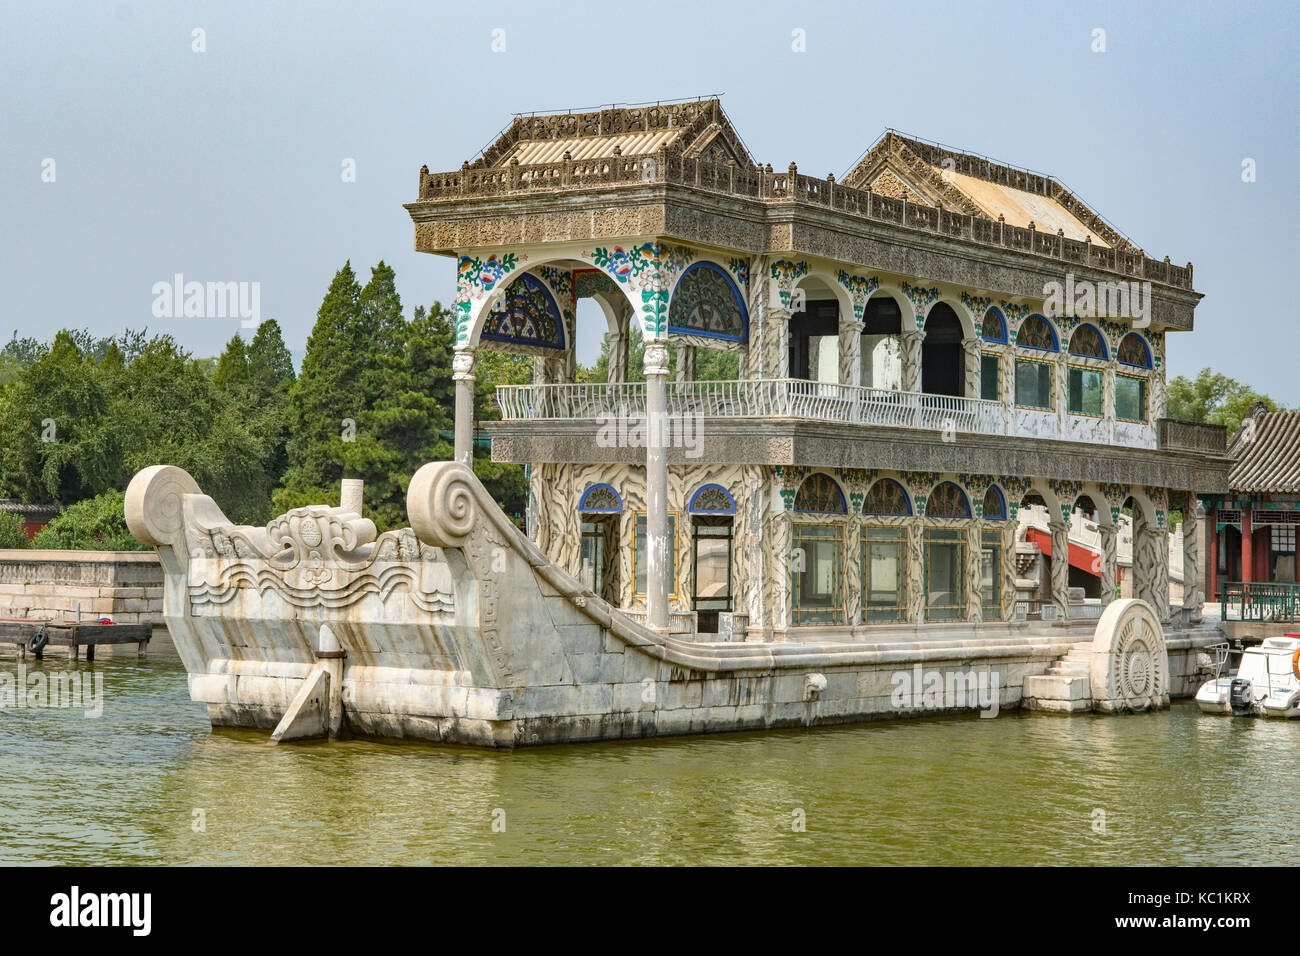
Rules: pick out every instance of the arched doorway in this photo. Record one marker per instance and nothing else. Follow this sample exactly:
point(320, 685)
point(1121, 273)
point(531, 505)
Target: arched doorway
point(882, 344)
point(942, 359)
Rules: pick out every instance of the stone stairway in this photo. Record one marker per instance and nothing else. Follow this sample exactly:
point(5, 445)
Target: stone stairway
point(1065, 688)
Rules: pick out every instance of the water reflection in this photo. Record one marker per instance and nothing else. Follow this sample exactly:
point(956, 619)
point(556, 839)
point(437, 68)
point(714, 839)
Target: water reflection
point(1022, 789)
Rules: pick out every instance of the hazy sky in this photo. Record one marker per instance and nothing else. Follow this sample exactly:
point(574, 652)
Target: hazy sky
point(226, 165)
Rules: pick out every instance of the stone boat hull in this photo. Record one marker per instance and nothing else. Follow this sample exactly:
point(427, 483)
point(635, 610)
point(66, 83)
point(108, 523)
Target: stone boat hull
point(460, 630)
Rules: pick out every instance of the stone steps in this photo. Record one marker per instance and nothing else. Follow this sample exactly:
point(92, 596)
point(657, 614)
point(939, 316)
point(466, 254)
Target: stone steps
point(1066, 687)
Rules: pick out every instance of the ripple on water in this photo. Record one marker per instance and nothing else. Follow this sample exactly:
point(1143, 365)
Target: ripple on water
point(1175, 787)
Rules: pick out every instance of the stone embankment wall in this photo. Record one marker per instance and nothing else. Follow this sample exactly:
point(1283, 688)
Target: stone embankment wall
point(124, 585)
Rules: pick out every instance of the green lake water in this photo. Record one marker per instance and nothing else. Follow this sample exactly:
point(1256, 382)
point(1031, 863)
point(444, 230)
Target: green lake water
point(1175, 787)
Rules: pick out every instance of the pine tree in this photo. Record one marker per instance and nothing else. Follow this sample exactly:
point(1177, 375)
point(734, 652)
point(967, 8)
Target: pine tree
point(325, 394)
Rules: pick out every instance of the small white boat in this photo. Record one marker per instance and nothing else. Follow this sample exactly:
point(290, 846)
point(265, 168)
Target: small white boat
point(1265, 684)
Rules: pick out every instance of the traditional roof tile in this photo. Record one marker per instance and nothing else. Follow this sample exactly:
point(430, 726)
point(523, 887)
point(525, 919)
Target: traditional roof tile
point(1267, 454)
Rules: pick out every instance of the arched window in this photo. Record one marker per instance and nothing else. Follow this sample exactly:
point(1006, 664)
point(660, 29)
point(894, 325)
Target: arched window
point(995, 506)
point(886, 497)
point(1087, 343)
point(600, 499)
point(712, 500)
point(820, 494)
point(1036, 333)
point(1133, 351)
point(947, 501)
point(1035, 379)
point(994, 327)
point(706, 302)
point(526, 315)
point(711, 509)
point(598, 557)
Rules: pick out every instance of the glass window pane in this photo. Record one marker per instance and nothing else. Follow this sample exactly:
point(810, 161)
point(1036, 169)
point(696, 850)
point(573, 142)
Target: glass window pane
point(884, 574)
point(641, 566)
point(989, 378)
point(713, 567)
point(816, 569)
point(1033, 384)
point(1084, 392)
point(945, 575)
point(1130, 398)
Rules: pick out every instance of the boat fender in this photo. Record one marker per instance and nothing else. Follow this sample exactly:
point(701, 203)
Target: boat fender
point(38, 640)
point(1295, 663)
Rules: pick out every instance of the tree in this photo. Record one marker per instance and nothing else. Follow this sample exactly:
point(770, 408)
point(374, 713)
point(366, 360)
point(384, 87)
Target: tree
point(1214, 398)
point(96, 524)
point(12, 534)
point(324, 395)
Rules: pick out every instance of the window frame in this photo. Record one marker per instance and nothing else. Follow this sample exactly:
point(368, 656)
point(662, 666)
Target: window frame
point(676, 570)
point(900, 534)
point(946, 536)
point(835, 613)
point(1051, 365)
point(992, 541)
point(1076, 366)
point(997, 357)
point(1145, 381)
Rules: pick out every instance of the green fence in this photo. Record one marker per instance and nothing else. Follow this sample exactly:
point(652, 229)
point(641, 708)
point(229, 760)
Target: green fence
point(1259, 601)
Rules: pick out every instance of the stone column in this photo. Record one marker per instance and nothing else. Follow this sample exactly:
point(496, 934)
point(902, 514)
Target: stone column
point(850, 352)
point(854, 599)
point(776, 349)
point(780, 555)
point(1009, 569)
point(972, 350)
point(1060, 565)
point(1192, 598)
point(1109, 562)
point(1160, 545)
point(974, 575)
point(912, 340)
point(915, 571)
point(685, 363)
point(656, 481)
point(463, 365)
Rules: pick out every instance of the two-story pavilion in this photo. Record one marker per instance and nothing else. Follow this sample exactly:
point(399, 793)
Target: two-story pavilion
point(909, 372)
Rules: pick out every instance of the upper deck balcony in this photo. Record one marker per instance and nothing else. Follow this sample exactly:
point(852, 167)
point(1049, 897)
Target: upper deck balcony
point(844, 404)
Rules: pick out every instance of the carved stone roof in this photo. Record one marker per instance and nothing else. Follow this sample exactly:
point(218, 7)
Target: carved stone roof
point(1267, 453)
point(973, 185)
point(698, 128)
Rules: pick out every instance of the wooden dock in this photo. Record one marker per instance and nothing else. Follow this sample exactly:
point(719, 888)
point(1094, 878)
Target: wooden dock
point(74, 635)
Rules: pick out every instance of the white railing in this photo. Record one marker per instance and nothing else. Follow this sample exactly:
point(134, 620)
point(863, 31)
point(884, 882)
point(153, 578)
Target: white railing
point(762, 398)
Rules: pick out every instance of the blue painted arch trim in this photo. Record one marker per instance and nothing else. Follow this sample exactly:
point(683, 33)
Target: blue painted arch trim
point(552, 307)
point(582, 504)
point(1051, 328)
point(1002, 319)
point(1146, 349)
point(1002, 504)
point(731, 502)
point(735, 294)
point(1105, 351)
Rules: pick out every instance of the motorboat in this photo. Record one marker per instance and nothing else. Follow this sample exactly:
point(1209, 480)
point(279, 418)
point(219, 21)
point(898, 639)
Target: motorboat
point(1266, 684)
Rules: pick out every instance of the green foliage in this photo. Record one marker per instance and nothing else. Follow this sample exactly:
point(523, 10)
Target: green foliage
point(12, 534)
point(711, 365)
point(84, 414)
point(96, 524)
point(1214, 398)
